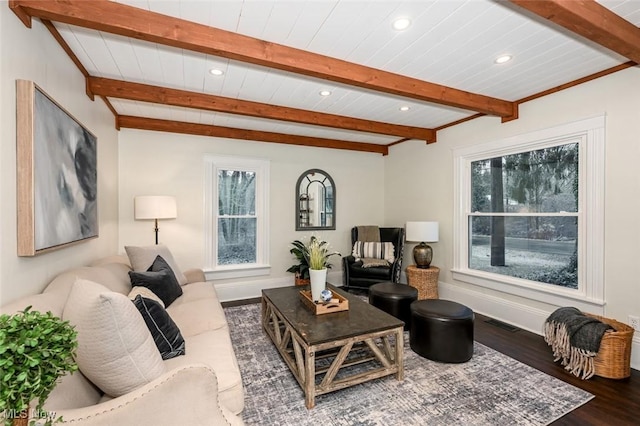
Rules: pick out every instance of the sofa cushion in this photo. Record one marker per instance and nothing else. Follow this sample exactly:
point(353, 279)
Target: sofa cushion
point(73, 391)
point(63, 283)
point(43, 302)
point(190, 319)
point(159, 278)
point(364, 249)
point(115, 349)
point(371, 262)
point(142, 258)
point(197, 291)
point(120, 271)
point(166, 334)
point(215, 350)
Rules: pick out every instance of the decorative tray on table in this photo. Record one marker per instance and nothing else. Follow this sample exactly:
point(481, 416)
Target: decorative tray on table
point(337, 303)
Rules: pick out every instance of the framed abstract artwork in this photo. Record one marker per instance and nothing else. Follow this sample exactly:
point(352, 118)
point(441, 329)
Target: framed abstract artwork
point(57, 180)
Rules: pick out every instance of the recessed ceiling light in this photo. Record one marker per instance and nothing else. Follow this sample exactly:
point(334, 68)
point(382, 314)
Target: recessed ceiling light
point(216, 71)
point(503, 58)
point(325, 93)
point(405, 108)
point(401, 24)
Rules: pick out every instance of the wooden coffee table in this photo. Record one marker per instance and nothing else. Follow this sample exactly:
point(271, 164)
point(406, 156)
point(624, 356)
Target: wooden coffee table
point(332, 351)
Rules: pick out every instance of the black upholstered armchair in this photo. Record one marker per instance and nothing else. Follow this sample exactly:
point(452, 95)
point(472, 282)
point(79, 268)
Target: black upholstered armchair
point(355, 276)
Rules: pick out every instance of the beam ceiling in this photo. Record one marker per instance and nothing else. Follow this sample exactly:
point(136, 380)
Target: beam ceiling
point(131, 122)
point(182, 98)
point(584, 17)
point(149, 26)
point(592, 21)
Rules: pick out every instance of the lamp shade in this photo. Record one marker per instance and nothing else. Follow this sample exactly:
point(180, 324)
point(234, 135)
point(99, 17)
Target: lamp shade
point(422, 232)
point(155, 207)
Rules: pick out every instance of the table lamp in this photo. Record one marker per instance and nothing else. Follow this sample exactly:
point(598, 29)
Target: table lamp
point(155, 207)
point(422, 232)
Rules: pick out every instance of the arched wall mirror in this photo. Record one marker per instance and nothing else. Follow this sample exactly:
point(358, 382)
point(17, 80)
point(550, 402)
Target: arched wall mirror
point(315, 201)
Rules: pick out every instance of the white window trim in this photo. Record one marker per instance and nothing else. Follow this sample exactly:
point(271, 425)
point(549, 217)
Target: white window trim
point(261, 166)
point(590, 134)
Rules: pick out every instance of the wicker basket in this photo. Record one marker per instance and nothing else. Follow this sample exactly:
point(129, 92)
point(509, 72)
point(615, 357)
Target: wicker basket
point(425, 280)
point(614, 357)
point(301, 281)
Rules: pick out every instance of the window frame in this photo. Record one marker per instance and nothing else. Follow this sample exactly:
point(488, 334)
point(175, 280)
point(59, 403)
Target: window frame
point(590, 136)
point(214, 163)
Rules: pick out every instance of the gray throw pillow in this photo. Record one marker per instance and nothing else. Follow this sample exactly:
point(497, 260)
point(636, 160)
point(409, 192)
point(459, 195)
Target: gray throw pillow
point(165, 332)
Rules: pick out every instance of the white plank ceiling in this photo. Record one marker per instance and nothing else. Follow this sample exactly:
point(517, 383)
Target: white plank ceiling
point(449, 42)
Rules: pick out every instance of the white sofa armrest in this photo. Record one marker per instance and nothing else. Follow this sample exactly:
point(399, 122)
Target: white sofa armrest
point(194, 275)
point(187, 395)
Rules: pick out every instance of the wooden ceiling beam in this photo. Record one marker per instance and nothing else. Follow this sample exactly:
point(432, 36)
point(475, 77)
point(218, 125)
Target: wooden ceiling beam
point(133, 22)
point(590, 20)
point(141, 123)
point(182, 98)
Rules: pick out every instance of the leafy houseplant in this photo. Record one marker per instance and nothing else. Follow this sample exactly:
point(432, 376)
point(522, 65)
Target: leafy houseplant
point(302, 252)
point(35, 350)
point(301, 269)
point(317, 254)
point(313, 258)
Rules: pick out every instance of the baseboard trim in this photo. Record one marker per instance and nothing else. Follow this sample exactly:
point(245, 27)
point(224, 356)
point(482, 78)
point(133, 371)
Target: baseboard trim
point(249, 289)
point(525, 317)
point(517, 314)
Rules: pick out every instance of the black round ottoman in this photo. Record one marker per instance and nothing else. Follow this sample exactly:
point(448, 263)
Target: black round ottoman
point(394, 299)
point(441, 330)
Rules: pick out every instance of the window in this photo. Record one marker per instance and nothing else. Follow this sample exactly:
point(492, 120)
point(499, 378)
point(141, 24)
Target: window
point(236, 207)
point(529, 214)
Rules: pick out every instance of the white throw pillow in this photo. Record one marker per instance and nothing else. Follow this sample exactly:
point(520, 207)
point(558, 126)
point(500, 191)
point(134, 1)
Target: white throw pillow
point(142, 258)
point(116, 351)
point(144, 292)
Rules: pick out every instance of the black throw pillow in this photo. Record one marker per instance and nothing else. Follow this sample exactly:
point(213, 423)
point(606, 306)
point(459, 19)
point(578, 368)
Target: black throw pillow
point(165, 332)
point(160, 279)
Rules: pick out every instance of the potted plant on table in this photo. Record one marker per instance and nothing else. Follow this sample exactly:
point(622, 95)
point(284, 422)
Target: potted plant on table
point(317, 254)
point(300, 269)
point(35, 350)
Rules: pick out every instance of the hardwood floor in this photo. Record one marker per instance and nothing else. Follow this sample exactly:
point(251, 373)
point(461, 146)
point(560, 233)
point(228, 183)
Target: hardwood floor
point(616, 402)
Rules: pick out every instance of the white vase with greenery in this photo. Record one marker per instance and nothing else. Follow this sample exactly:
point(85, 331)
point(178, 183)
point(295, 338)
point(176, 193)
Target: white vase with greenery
point(318, 283)
point(317, 255)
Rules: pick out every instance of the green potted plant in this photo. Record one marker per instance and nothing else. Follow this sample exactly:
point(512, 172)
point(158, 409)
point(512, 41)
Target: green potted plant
point(316, 255)
point(36, 349)
point(300, 269)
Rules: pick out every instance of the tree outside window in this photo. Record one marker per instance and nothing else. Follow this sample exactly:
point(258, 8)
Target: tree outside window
point(529, 215)
point(236, 217)
point(524, 215)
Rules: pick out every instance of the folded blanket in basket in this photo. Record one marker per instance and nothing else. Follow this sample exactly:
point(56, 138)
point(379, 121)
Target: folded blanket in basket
point(575, 339)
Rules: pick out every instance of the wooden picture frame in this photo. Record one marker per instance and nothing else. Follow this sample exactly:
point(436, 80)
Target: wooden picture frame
point(56, 174)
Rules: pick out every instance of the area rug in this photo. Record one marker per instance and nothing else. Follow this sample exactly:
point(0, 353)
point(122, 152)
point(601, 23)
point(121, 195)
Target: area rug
point(490, 389)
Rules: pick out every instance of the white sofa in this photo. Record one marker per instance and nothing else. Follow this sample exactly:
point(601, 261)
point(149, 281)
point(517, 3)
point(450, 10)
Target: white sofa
point(202, 387)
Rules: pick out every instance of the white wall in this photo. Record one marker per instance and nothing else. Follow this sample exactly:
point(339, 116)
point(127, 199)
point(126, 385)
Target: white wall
point(153, 163)
point(32, 54)
point(419, 186)
point(413, 183)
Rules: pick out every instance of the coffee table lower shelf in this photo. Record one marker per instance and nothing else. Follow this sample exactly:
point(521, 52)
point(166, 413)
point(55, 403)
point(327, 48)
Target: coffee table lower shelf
point(379, 354)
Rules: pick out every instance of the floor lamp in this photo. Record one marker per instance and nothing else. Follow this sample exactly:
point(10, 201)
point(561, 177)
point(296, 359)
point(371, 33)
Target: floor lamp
point(155, 207)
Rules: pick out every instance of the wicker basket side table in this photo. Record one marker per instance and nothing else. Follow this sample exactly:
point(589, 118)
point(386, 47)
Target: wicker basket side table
point(425, 280)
